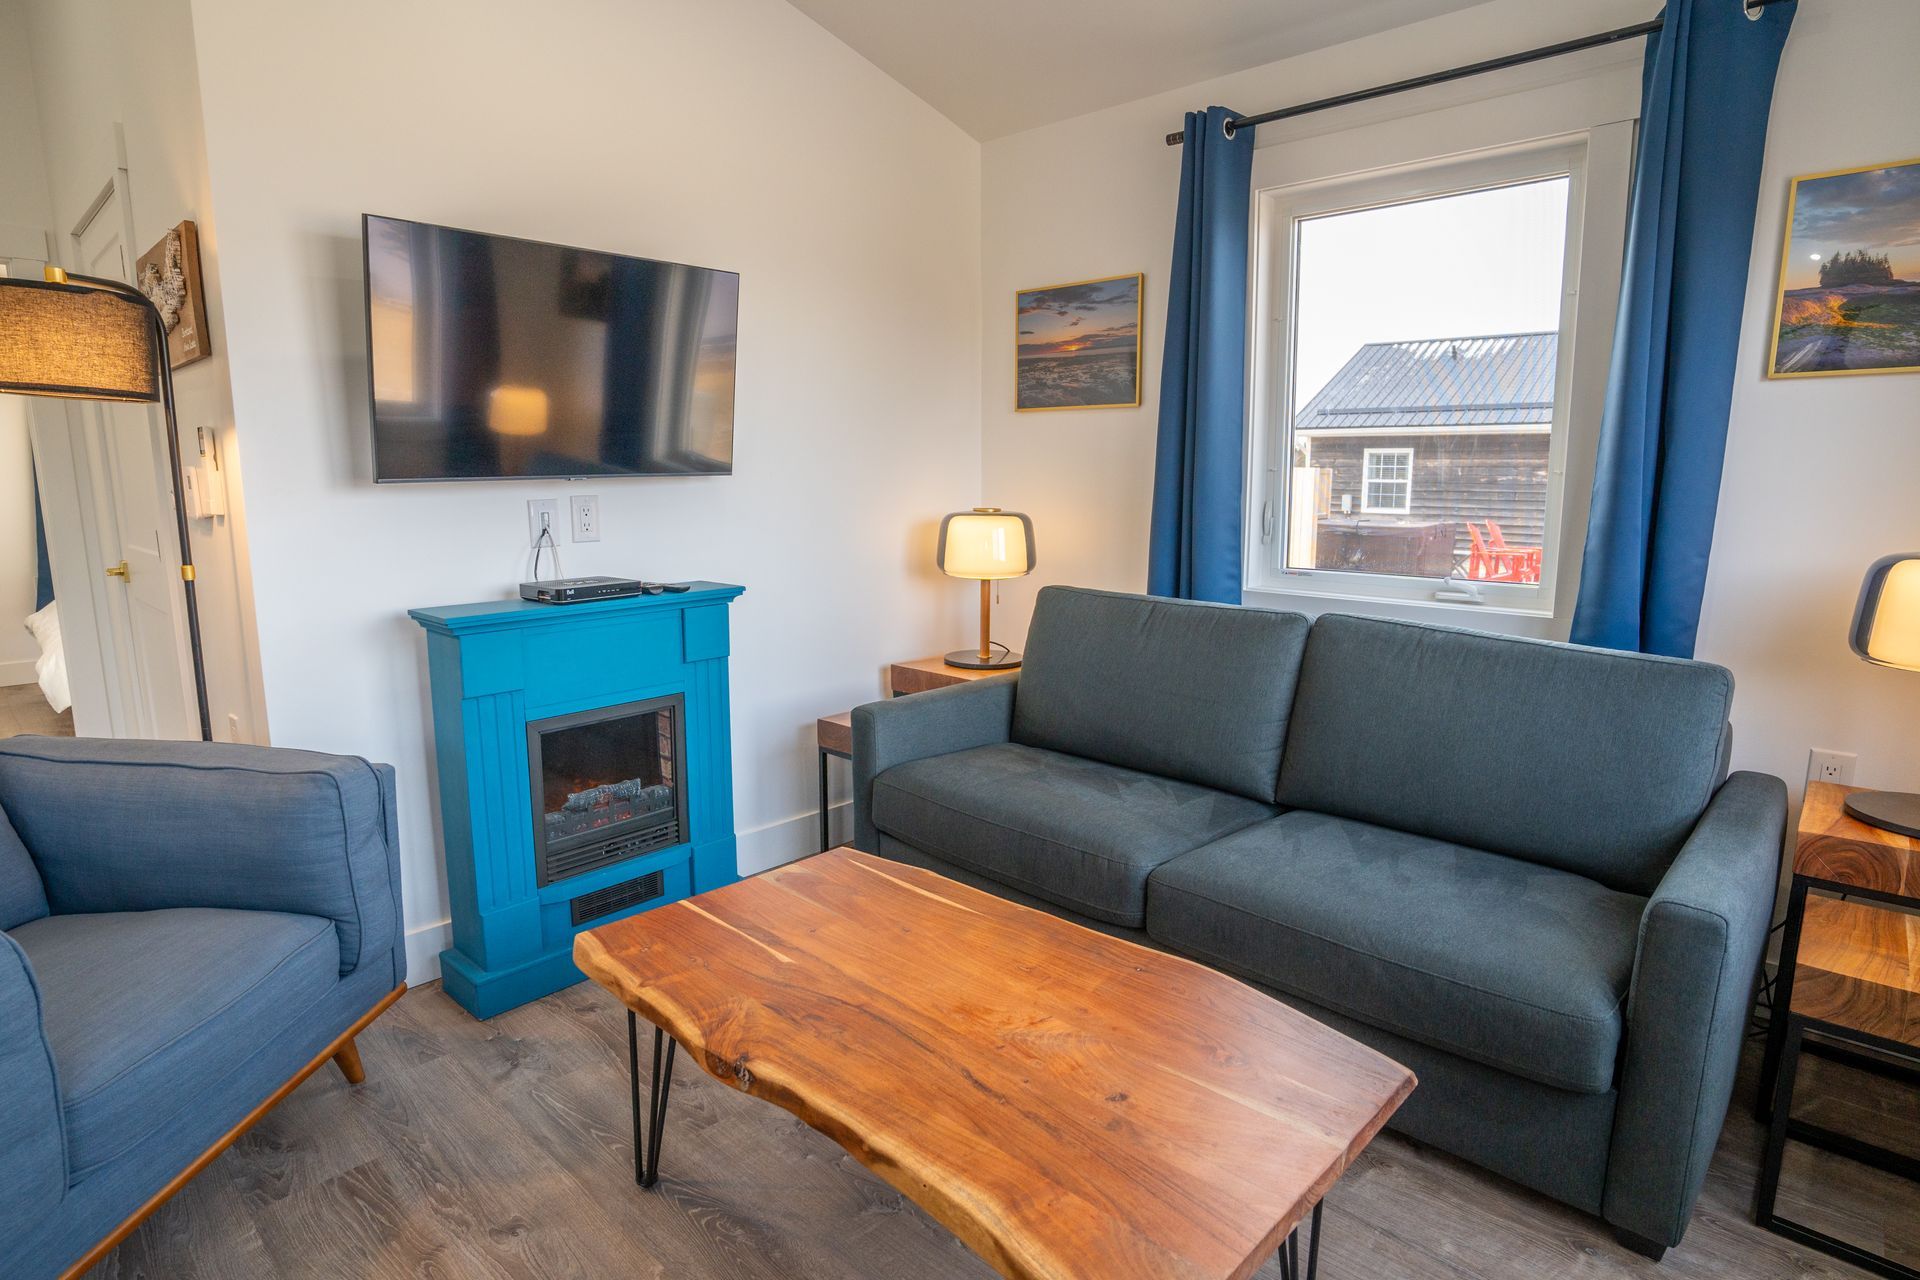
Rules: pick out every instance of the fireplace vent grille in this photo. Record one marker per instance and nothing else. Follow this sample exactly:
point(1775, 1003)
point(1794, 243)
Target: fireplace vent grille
point(574, 862)
point(616, 897)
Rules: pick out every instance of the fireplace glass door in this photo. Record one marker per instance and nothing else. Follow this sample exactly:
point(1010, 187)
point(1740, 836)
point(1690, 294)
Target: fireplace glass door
point(608, 785)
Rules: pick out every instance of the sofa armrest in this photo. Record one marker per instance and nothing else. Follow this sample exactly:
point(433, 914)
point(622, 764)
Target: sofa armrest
point(33, 1133)
point(136, 826)
point(1701, 940)
point(976, 714)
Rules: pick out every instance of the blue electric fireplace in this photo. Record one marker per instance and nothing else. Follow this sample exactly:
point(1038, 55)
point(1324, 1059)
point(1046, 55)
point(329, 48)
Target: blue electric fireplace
point(586, 773)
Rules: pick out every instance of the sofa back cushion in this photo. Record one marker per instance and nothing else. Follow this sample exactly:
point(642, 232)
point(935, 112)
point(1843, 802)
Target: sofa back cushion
point(22, 896)
point(1197, 692)
point(1587, 760)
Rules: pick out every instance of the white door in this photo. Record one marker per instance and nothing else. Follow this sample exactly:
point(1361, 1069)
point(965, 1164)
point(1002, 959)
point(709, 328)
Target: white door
point(134, 499)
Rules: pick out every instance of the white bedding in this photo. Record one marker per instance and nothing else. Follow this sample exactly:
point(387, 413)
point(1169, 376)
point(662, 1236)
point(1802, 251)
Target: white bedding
point(52, 665)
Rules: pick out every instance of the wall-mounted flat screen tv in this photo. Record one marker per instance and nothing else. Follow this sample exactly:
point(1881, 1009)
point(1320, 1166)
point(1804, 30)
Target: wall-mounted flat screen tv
point(501, 359)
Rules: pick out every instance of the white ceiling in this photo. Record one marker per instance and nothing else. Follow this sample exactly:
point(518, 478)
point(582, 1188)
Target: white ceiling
point(996, 67)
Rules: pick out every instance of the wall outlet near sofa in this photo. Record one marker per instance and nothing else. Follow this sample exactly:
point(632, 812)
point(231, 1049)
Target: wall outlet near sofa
point(1830, 766)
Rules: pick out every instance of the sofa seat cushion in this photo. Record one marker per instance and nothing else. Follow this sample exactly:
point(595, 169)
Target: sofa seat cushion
point(1080, 834)
point(1508, 963)
point(141, 1008)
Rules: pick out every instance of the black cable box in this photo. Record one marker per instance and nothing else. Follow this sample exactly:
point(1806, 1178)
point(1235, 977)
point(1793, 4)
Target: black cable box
point(580, 590)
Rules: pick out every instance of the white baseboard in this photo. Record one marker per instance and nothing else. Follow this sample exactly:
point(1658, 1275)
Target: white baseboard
point(17, 671)
point(424, 945)
point(765, 848)
point(760, 849)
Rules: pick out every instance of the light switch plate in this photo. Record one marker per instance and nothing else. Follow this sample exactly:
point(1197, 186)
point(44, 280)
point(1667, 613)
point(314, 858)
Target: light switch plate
point(542, 514)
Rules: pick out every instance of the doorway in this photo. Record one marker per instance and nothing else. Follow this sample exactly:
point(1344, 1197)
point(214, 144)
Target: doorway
point(106, 498)
point(34, 696)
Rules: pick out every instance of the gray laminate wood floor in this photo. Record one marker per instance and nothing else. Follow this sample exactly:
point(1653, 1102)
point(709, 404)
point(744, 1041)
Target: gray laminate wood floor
point(505, 1149)
point(24, 709)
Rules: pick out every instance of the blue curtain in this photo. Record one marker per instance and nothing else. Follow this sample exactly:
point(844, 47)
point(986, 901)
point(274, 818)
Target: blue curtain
point(1705, 93)
point(1199, 467)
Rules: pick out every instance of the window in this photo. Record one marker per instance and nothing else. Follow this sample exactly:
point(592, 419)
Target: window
point(1416, 414)
point(1387, 482)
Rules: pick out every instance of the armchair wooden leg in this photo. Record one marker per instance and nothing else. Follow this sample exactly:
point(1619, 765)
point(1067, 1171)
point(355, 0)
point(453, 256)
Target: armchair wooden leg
point(348, 1060)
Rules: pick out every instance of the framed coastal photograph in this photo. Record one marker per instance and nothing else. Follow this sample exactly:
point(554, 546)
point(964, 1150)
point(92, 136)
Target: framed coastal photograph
point(1077, 346)
point(1850, 274)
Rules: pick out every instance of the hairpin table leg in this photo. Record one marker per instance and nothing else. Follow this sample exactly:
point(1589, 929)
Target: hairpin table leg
point(646, 1147)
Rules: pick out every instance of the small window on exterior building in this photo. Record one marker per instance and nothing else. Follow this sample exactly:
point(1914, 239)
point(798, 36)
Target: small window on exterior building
point(1388, 482)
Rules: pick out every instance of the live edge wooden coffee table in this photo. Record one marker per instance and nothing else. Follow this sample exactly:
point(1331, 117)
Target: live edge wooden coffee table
point(1066, 1103)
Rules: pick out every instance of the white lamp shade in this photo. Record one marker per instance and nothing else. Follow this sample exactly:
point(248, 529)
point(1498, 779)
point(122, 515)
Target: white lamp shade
point(1886, 624)
point(986, 543)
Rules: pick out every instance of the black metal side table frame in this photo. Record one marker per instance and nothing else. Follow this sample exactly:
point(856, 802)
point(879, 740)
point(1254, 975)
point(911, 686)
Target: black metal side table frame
point(1787, 1043)
point(646, 1142)
point(825, 810)
point(1782, 1001)
point(1783, 1126)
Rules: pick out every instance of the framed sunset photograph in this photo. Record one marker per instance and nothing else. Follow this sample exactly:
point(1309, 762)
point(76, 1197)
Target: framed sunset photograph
point(1849, 297)
point(1077, 346)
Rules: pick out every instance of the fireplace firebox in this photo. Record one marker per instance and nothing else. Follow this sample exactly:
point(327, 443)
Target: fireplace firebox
point(606, 785)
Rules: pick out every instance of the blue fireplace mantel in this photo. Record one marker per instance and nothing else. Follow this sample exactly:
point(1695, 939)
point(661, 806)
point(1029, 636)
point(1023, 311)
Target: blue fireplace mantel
point(498, 665)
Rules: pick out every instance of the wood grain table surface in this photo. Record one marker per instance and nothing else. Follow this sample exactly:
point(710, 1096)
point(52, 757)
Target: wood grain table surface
point(1839, 850)
point(1067, 1103)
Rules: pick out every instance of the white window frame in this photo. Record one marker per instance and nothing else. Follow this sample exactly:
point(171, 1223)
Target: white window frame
point(1582, 128)
point(1367, 479)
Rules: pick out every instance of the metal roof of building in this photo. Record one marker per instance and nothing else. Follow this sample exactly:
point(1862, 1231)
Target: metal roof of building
point(1497, 381)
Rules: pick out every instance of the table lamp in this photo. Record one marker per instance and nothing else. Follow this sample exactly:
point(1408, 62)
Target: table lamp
point(1886, 632)
point(83, 338)
point(989, 544)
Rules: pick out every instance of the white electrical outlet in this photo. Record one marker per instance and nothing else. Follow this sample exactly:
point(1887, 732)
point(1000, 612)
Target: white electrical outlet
point(1830, 766)
point(586, 517)
point(543, 514)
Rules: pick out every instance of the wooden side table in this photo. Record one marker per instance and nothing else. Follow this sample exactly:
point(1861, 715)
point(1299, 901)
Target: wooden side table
point(834, 735)
point(1850, 974)
point(923, 674)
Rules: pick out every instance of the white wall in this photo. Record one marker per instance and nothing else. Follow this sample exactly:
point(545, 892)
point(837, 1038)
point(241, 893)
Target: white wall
point(735, 134)
point(103, 71)
point(1820, 473)
point(1095, 196)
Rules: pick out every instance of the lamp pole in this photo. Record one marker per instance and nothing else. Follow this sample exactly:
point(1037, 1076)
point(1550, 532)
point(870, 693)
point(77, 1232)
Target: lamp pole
point(159, 329)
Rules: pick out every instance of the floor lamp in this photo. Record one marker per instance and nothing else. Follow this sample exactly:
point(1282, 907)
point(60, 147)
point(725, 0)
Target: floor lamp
point(84, 338)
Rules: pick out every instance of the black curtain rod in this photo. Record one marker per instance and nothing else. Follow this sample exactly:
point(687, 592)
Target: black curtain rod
point(1457, 73)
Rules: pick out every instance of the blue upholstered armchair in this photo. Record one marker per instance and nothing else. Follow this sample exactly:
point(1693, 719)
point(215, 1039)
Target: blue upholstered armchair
point(190, 930)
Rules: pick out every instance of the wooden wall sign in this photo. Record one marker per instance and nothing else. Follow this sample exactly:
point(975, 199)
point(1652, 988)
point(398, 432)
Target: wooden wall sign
point(169, 274)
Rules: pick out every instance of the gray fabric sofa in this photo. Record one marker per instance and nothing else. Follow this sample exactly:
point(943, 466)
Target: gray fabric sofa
point(187, 927)
point(1518, 867)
